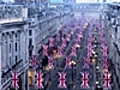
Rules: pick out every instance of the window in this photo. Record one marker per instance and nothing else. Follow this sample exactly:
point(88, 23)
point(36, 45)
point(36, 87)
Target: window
point(10, 48)
point(30, 44)
point(16, 46)
point(10, 36)
point(30, 32)
point(3, 34)
point(16, 58)
point(30, 41)
point(10, 61)
point(16, 35)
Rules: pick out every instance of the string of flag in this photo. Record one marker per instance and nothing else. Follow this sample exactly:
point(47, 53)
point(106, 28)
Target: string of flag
point(60, 48)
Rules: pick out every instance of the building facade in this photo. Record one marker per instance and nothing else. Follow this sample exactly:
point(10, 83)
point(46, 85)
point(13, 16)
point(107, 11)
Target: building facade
point(23, 33)
point(111, 25)
point(14, 44)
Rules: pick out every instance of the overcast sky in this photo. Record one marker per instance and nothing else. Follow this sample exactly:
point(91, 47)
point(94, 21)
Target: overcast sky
point(77, 0)
point(87, 1)
point(8, 0)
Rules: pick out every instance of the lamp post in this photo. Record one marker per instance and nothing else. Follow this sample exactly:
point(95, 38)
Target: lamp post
point(49, 71)
point(72, 64)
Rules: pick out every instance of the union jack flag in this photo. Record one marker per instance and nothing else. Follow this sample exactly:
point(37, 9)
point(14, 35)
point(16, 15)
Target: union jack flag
point(58, 37)
point(14, 80)
point(50, 62)
point(51, 40)
point(45, 50)
point(68, 62)
point(105, 63)
point(90, 39)
point(107, 80)
point(73, 52)
point(39, 80)
point(104, 50)
point(59, 50)
point(89, 52)
point(85, 80)
point(62, 80)
point(72, 32)
point(63, 42)
point(102, 39)
point(34, 61)
point(90, 34)
point(80, 32)
point(86, 63)
point(68, 37)
point(77, 41)
point(89, 46)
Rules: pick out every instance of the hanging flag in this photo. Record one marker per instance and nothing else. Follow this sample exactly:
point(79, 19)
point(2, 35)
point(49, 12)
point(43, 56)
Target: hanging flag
point(89, 46)
point(86, 63)
point(68, 37)
point(14, 80)
point(78, 37)
point(102, 40)
point(89, 52)
point(51, 40)
point(62, 80)
point(90, 34)
point(39, 80)
point(77, 41)
point(50, 62)
point(105, 62)
point(59, 50)
point(85, 80)
point(73, 52)
point(104, 50)
point(68, 62)
point(63, 42)
point(76, 44)
point(45, 50)
point(90, 39)
point(34, 60)
point(72, 32)
point(107, 80)
point(58, 37)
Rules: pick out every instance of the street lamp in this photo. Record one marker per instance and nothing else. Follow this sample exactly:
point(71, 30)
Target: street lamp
point(72, 64)
point(97, 82)
point(97, 67)
point(49, 68)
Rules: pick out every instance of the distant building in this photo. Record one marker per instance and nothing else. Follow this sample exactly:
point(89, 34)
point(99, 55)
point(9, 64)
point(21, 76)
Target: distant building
point(70, 1)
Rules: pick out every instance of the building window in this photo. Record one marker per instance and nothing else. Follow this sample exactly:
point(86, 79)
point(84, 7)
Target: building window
point(10, 36)
point(10, 47)
point(30, 32)
point(30, 44)
point(30, 41)
point(16, 46)
point(16, 35)
point(3, 34)
point(10, 61)
point(16, 58)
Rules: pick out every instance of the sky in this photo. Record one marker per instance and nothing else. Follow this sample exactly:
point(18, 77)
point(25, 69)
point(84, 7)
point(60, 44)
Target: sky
point(87, 1)
point(8, 0)
point(78, 1)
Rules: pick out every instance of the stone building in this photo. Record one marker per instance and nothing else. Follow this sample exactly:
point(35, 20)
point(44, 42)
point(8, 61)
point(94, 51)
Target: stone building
point(111, 25)
point(24, 30)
